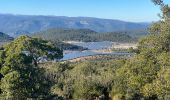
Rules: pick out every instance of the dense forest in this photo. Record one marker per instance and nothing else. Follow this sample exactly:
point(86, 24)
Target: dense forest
point(85, 35)
point(137, 33)
point(145, 76)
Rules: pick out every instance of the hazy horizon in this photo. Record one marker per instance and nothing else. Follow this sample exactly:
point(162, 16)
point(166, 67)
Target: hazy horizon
point(79, 17)
point(131, 10)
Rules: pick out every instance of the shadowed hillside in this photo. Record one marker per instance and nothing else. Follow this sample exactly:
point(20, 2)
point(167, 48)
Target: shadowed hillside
point(21, 24)
point(85, 35)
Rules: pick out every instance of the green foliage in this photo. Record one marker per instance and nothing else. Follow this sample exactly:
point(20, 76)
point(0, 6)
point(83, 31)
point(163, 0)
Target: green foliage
point(83, 35)
point(67, 46)
point(22, 78)
point(82, 80)
point(146, 76)
point(165, 9)
point(33, 48)
point(157, 2)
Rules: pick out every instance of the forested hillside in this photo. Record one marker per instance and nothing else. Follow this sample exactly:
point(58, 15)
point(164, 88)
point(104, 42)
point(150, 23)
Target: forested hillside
point(24, 24)
point(67, 46)
point(146, 75)
point(143, 76)
point(85, 35)
point(137, 33)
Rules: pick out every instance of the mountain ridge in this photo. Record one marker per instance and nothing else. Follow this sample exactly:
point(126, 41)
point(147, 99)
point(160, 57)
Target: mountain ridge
point(21, 24)
point(9, 14)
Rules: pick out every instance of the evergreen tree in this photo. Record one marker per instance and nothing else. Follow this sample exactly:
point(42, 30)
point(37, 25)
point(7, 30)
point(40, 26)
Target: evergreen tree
point(21, 76)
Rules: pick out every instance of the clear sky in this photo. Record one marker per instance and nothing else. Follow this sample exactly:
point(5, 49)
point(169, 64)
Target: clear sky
point(128, 10)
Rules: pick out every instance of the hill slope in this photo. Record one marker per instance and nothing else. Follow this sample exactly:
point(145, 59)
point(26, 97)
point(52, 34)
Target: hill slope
point(85, 35)
point(4, 37)
point(21, 24)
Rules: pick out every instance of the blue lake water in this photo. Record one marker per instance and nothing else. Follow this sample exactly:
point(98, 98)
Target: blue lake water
point(95, 45)
point(92, 46)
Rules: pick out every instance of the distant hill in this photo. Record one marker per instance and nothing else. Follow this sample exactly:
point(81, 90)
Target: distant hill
point(4, 37)
point(137, 33)
point(85, 35)
point(23, 24)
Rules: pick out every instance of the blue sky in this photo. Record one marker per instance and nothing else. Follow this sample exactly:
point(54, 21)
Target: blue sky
point(128, 10)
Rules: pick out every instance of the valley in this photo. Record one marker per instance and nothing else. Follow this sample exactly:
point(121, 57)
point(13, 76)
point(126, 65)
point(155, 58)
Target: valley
point(70, 57)
point(96, 48)
point(16, 25)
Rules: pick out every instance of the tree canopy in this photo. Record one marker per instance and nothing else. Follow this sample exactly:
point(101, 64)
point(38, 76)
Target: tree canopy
point(21, 76)
point(146, 75)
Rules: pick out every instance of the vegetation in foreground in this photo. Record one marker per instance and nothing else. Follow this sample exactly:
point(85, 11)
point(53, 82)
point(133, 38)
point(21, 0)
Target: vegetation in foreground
point(21, 78)
point(146, 76)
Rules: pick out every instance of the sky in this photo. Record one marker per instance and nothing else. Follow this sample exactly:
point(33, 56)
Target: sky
point(127, 10)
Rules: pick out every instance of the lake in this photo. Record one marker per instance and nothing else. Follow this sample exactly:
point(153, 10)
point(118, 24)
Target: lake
point(94, 45)
point(94, 49)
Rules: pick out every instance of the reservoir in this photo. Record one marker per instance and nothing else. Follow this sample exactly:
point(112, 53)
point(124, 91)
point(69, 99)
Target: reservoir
point(94, 48)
